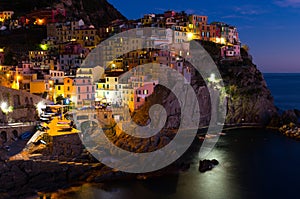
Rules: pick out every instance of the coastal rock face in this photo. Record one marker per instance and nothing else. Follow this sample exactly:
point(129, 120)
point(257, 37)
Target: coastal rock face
point(289, 116)
point(249, 99)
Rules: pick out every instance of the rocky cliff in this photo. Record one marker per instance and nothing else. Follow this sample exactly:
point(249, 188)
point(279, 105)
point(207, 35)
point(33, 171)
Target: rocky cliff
point(248, 98)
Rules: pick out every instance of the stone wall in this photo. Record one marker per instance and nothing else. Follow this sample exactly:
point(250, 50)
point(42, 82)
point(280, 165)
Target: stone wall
point(9, 134)
point(66, 147)
point(17, 98)
point(23, 103)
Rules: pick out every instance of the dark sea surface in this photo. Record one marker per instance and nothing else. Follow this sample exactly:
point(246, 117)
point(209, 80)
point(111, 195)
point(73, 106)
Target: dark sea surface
point(285, 88)
point(254, 163)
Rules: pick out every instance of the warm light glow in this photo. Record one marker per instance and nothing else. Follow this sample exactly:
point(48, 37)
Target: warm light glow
point(1, 50)
point(15, 85)
point(39, 22)
point(5, 108)
point(190, 36)
point(220, 40)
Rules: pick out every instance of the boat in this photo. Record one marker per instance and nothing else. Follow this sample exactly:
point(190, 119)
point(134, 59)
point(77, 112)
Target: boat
point(26, 135)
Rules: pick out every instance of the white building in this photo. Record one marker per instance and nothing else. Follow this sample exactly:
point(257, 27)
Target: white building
point(95, 73)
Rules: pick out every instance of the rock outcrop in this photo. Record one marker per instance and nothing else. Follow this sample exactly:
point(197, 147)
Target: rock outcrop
point(249, 99)
point(207, 165)
point(290, 130)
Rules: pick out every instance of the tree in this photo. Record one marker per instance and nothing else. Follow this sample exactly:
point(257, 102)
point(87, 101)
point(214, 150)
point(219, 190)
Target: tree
point(60, 99)
point(9, 58)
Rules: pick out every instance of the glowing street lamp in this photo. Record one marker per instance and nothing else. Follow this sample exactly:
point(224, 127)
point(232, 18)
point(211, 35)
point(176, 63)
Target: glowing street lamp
point(4, 106)
point(190, 36)
point(212, 78)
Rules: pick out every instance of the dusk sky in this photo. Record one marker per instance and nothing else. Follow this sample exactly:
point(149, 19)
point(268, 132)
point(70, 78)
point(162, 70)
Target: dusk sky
point(270, 28)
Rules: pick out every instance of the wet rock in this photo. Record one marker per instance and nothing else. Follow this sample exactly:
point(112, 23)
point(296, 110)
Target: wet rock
point(290, 130)
point(207, 165)
point(289, 116)
point(215, 162)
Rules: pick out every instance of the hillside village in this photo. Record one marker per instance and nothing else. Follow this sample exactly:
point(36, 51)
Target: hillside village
point(54, 70)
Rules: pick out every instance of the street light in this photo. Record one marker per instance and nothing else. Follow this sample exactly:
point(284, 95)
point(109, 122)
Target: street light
point(212, 78)
point(4, 106)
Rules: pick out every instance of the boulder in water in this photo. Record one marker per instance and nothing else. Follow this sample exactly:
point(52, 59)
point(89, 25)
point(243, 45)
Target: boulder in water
point(206, 165)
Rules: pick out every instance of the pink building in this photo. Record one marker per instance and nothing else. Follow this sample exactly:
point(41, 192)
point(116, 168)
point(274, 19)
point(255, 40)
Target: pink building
point(233, 51)
point(142, 93)
point(26, 66)
point(85, 91)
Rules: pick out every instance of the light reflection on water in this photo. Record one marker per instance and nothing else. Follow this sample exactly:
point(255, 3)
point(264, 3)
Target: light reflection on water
point(251, 166)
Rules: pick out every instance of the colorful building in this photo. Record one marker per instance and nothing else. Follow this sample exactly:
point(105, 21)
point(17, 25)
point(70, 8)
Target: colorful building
point(85, 92)
point(6, 15)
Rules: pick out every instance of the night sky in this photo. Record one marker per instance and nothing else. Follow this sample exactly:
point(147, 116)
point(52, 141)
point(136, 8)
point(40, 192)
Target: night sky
point(271, 28)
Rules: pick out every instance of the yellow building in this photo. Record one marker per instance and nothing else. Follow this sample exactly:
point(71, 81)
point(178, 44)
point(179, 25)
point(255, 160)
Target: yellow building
point(148, 19)
point(66, 89)
point(69, 88)
point(42, 87)
point(59, 90)
point(39, 86)
point(4, 15)
point(88, 38)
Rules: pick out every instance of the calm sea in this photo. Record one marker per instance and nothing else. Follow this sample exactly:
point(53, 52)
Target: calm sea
point(253, 164)
point(285, 88)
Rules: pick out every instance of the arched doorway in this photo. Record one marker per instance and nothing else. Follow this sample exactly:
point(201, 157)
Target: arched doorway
point(26, 101)
point(3, 136)
point(15, 134)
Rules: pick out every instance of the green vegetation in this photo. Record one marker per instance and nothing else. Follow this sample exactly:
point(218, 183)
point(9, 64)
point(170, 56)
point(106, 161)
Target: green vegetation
point(10, 58)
